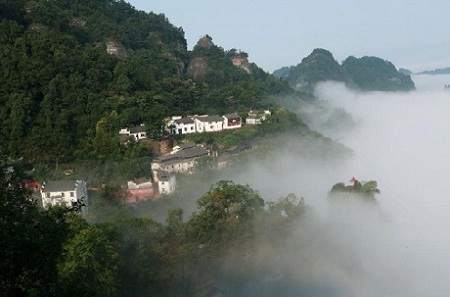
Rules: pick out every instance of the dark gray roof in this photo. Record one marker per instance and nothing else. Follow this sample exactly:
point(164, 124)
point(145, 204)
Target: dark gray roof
point(137, 129)
point(186, 145)
point(214, 118)
point(193, 152)
point(232, 116)
point(184, 121)
point(188, 153)
point(59, 186)
point(141, 180)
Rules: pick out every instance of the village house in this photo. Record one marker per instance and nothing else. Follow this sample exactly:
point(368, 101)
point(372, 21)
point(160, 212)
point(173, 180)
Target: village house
point(183, 126)
point(68, 193)
point(138, 132)
point(232, 121)
point(167, 183)
point(181, 161)
point(208, 123)
point(255, 117)
point(140, 189)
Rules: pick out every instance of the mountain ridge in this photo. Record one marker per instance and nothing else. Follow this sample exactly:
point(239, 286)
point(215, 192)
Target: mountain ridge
point(366, 73)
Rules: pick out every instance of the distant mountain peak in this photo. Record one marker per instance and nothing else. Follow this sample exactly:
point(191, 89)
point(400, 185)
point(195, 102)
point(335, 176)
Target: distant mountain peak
point(366, 73)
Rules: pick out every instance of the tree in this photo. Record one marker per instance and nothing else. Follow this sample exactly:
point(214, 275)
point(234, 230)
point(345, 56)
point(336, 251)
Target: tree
point(31, 240)
point(226, 204)
point(89, 265)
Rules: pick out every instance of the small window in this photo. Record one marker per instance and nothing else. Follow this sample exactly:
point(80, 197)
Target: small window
point(62, 194)
point(72, 194)
point(47, 195)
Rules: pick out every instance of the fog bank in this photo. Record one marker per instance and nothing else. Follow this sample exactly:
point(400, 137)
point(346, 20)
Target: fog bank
point(402, 246)
point(403, 141)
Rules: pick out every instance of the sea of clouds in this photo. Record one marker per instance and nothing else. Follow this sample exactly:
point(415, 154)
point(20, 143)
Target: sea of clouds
point(402, 248)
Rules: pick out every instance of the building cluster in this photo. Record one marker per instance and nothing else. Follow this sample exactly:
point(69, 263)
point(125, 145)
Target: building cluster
point(182, 159)
point(206, 123)
point(178, 125)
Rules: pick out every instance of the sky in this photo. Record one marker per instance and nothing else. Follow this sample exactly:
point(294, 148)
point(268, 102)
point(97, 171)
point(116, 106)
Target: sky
point(411, 34)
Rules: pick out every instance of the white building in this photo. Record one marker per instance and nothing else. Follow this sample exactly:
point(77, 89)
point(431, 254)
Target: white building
point(167, 183)
point(181, 161)
point(208, 123)
point(64, 192)
point(183, 126)
point(232, 121)
point(138, 132)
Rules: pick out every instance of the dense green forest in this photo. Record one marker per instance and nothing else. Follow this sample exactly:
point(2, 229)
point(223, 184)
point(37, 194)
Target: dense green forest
point(110, 252)
point(74, 72)
point(366, 73)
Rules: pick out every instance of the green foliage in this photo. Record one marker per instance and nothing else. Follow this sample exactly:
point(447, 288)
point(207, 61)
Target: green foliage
point(55, 252)
point(89, 265)
point(31, 239)
point(366, 73)
point(64, 97)
point(108, 205)
point(226, 203)
point(372, 73)
point(364, 190)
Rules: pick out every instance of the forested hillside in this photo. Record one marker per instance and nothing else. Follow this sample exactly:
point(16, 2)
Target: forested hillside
point(74, 72)
point(366, 73)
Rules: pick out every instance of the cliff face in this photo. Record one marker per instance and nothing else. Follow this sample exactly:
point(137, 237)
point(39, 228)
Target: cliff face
point(242, 63)
point(366, 73)
point(197, 67)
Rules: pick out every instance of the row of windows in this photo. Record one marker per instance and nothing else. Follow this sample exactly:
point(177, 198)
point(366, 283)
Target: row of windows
point(72, 194)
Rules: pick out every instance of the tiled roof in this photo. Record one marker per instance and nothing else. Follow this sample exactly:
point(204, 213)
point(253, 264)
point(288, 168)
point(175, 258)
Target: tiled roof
point(186, 145)
point(231, 115)
point(137, 129)
point(210, 119)
point(188, 153)
point(184, 121)
point(59, 186)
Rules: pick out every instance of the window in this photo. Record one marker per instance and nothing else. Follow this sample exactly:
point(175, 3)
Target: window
point(192, 128)
point(72, 194)
point(62, 194)
point(185, 129)
point(47, 195)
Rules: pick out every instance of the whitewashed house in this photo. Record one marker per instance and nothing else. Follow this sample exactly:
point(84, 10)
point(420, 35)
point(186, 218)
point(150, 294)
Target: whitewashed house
point(232, 121)
point(208, 123)
point(167, 183)
point(183, 126)
point(182, 161)
point(64, 192)
point(138, 132)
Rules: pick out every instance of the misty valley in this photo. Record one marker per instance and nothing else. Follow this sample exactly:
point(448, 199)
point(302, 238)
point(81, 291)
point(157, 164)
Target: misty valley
point(132, 165)
point(269, 225)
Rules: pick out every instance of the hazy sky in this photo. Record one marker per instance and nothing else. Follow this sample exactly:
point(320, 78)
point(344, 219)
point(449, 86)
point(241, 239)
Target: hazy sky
point(410, 33)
